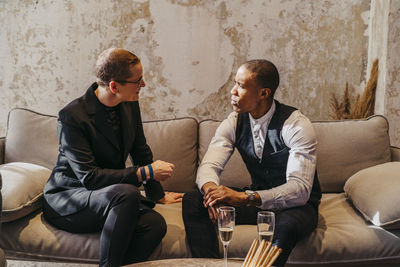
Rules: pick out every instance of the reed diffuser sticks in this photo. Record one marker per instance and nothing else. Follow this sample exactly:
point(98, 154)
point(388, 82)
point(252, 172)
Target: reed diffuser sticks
point(261, 254)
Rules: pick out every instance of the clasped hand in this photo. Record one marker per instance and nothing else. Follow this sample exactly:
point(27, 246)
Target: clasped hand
point(216, 196)
point(162, 171)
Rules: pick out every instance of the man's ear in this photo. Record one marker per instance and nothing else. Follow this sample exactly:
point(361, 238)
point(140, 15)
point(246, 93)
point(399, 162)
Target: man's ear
point(113, 87)
point(265, 92)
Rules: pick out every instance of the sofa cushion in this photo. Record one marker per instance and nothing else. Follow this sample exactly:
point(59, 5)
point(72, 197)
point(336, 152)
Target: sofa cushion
point(342, 238)
point(32, 237)
point(235, 173)
point(22, 189)
point(174, 243)
point(345, 147)
point(170, 140)
point(31, 137)
point(374, 191)
point(175, 141)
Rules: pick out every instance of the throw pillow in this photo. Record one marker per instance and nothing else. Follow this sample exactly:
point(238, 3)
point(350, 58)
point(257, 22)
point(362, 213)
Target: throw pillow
point(374, 191)
point(22, 189)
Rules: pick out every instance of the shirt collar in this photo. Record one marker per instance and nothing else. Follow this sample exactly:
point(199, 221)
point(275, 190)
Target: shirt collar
point(266, 118)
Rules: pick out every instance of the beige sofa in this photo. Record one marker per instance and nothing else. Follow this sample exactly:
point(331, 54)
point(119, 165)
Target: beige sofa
point(354, 225)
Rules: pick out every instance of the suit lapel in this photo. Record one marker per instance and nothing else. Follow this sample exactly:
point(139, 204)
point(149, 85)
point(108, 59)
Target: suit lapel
point(97, 114)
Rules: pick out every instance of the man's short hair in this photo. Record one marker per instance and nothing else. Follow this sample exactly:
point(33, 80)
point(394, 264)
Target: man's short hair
point(114, 63)
point(266, 74)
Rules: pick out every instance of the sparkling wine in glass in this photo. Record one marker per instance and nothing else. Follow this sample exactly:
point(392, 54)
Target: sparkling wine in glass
point(226, 223)
point(225, 234)
point(265, 225)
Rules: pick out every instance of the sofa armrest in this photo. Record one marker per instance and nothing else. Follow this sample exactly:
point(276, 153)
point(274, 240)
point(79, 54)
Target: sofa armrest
point(395, 151)
point(2, 145)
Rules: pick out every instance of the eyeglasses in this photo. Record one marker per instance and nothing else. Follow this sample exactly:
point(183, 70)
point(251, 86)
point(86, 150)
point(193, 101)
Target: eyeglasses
point(134, 82)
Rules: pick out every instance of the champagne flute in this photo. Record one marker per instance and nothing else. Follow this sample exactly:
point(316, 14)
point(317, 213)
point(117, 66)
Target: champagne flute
point(226, 223)
point(265, 225)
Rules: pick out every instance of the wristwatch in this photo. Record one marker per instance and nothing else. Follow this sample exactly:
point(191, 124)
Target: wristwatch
point(251, 196)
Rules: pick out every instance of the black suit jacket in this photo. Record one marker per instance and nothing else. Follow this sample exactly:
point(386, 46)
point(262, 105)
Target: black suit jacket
point(90, 156)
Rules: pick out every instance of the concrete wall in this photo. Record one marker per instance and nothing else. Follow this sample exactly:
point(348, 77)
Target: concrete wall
point(384, 43)
point(190, 50)
point(392, 95)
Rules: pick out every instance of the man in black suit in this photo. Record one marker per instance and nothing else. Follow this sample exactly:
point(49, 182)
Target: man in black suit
point(90, 189)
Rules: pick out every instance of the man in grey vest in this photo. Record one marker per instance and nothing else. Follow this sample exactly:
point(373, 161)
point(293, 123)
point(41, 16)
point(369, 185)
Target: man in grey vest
point(278, 145)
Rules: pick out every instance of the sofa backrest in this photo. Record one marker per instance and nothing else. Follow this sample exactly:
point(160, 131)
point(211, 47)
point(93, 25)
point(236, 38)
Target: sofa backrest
point(235, 172)
point(344, 148)
point(32, 137)
point(175, 141)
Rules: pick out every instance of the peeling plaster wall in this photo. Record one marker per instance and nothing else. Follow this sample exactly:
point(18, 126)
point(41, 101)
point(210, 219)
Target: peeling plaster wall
point(384, 44)
point(377, 48)
point(190, 50)
point(392, 95)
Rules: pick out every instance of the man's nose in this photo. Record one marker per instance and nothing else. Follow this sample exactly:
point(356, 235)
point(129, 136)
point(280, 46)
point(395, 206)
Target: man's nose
point(143, 83)
point(233, 90)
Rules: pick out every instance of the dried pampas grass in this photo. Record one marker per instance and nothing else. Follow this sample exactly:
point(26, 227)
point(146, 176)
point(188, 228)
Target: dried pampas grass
point(356, 107)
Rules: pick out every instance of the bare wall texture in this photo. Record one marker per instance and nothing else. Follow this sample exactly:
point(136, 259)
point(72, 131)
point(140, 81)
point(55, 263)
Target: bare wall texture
point(384, 44)
point(190, 50)
point(392, 95)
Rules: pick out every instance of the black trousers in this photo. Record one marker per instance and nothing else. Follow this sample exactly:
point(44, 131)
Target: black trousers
point(291, 225)
point(129, 231)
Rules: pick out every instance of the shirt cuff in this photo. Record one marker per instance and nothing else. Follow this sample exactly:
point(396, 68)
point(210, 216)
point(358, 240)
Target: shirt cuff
point(267, 199)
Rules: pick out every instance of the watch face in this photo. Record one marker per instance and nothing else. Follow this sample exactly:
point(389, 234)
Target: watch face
point(250, 194)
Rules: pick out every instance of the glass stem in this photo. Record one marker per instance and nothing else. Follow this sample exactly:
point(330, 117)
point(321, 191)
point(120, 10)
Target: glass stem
point(226, 255)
